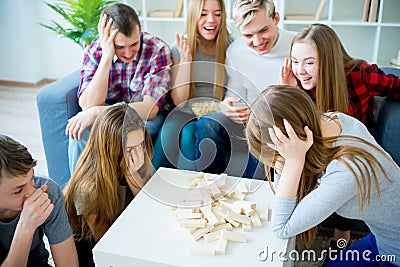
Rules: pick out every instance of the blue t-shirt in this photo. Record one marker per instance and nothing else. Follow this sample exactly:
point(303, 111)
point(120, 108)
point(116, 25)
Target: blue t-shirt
point(56, 227)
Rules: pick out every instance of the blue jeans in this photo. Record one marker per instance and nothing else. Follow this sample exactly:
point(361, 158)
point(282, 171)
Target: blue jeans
point(187, 156)
point(174, 146)
point(367, 247)
point(76, 147)
point(220, 147)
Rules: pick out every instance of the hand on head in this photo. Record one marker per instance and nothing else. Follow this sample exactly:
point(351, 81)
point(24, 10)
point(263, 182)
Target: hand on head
point(106, 36)
point(290, 147)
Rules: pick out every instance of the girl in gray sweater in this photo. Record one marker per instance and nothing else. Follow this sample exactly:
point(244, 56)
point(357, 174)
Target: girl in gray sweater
point(328, 163)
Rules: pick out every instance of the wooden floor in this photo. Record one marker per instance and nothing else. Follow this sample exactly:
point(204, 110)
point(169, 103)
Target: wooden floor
point(19, 119)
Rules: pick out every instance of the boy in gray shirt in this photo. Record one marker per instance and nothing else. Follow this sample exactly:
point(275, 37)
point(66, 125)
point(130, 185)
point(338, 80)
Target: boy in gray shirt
point(29, 208)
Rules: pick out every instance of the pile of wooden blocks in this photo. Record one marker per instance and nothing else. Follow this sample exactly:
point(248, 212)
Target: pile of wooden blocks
point(211, 212)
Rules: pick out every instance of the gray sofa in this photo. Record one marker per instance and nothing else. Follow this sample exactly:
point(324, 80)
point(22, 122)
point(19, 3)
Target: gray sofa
point(57, 102)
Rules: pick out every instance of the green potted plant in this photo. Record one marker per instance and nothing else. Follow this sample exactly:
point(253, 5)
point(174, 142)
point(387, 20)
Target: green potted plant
point(83, 17)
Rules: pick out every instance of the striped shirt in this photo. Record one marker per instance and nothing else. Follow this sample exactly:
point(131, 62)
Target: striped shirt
point(147, 74)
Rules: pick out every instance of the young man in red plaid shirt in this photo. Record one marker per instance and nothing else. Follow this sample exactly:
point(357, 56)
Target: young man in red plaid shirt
point(123, 64)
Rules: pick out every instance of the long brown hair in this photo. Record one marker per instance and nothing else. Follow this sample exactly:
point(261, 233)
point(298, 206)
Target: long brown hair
point(101, 167)
point(269, 110)
point(334, 63)
point(222, 40)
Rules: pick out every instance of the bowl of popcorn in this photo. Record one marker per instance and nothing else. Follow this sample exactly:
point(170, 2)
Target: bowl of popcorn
point(205, 107)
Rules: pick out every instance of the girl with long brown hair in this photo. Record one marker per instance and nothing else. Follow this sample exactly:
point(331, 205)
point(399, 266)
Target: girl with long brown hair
point(114, 166)
point(331, 163)
point(320, 65)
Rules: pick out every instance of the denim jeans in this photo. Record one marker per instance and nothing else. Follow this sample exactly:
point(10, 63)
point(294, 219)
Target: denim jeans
point(221, 147)
point(187, 156)
point(76, 147)
point(175, 140)
point(366, 250)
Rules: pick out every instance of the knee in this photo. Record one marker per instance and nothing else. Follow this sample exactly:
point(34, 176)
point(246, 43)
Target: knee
point(207, 126)
point(187, 135)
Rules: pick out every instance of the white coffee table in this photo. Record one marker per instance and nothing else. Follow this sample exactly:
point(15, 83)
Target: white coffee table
point(145, 233)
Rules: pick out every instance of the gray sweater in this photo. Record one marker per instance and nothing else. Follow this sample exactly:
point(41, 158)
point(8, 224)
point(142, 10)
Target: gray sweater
point(337, 192)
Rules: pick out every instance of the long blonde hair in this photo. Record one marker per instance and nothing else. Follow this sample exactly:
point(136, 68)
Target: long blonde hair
point(222, 40)
point(271, 107)
point(334, 63)
point(101, 167)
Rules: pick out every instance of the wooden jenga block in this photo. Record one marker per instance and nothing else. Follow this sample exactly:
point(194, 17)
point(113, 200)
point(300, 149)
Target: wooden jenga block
point(232, 222)
point(241, 188)
point(221, 180)
point(197, 175)
point(221, 246)
point(236, 207)
point(238, 217)
point(221, 220)
point(184, 216)
point(234, 236)
point(264, 212)
point(226, 226)
point(210, 177)
point(198, 223)
point(193, 195)
point(209, 215)
point(206, 199)
point(201, 231)
point(247, 204)
point(248, 211)
point(246, 227)
point(239, 196)
point(230, 194)
point(179, 211)
point(193, 183)
point(215, 192)
point(225, 206)
point(212, 236)
point(224, 215)
point(255, 220)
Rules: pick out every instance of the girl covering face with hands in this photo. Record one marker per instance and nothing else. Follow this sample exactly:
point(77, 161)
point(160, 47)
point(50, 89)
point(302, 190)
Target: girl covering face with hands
point(114, 166)
point(331, 164)
point(335, 81)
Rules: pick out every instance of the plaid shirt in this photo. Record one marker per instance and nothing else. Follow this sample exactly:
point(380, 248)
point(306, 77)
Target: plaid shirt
point(363, 83)
point(147, 74)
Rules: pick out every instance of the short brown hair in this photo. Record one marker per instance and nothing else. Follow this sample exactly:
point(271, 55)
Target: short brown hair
point(15, 159)
point(125, 18)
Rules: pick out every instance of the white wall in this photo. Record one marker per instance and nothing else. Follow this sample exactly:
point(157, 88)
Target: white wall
point(29, 52)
